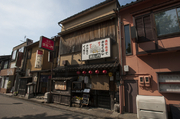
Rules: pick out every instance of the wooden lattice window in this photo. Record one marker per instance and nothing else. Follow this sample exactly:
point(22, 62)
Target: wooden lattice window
point(144, 28)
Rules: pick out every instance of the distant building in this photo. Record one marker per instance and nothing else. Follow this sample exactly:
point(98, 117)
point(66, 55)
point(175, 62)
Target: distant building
point(4, 64)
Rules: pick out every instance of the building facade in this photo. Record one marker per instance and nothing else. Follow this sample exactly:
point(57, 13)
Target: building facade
point(38, 69)
point(4, 65)
point(89, 58)
point(150, 42)
point(15, 64)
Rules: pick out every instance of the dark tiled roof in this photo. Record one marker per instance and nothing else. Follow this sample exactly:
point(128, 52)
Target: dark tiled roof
point(63, 78)
point(132, 3)
point(26, 77)
point(41, 71)
point(87, 67)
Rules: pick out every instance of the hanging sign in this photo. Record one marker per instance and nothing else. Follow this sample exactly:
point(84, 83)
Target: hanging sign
point(96, 49)
point(46, 43)
point(19, 59)
point(39, 55)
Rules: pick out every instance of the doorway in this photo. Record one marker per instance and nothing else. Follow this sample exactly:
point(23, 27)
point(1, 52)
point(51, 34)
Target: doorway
point(131, 91)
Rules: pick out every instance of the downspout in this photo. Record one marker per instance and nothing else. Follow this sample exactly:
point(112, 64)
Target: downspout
point(59, 55)
point(121, 66)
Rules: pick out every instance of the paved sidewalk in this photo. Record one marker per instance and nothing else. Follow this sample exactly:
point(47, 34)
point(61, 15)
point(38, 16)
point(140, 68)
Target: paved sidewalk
point(97, 112)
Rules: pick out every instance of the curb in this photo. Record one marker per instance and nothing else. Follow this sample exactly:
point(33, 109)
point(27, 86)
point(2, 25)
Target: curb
point(55, 107)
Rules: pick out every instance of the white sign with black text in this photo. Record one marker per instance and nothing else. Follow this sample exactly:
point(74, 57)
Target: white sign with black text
point(38, 62)
point(96, 49)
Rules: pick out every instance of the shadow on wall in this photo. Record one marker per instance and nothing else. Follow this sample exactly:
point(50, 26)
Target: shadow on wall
point(165, 61)
point(153, 86)
point(62, 116)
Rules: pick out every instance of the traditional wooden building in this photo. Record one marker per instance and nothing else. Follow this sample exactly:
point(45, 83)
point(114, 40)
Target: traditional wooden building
point(89, 58)
point(4, 64)
point(38, 69)
point(9, 79)
point(150, 42)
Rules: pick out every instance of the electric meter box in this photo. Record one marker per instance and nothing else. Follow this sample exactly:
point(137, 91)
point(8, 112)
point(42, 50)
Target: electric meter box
point(151, 107)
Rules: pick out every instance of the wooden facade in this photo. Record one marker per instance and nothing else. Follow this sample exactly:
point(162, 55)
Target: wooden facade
point(39, 75)
point(96, 23)
point(91, 33)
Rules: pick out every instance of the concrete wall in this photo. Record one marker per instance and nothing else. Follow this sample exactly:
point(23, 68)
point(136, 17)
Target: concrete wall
point(150, 64)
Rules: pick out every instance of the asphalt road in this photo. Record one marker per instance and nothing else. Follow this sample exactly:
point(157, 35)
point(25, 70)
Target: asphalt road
point(13, 108)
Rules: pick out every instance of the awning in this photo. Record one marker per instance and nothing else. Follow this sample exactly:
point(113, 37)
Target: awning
point(7, 72)
point(41, 71)
point(87, 67)
point(64, 78)
point(26, 77)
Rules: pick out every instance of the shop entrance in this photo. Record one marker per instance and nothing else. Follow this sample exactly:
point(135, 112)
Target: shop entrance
point(131, 91)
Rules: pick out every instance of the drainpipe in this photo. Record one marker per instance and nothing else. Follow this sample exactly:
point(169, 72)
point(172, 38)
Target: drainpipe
point(121, 67)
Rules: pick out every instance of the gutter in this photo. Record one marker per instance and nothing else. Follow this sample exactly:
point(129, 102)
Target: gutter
point(121, 66)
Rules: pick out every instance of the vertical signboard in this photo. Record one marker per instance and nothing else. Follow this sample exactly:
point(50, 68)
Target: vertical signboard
point(96, 49)
point(39, 55)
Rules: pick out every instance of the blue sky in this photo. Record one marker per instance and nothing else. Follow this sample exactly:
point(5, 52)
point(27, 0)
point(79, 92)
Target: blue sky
point(34, 18)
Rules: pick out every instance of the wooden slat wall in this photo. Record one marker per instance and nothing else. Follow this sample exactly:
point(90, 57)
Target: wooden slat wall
point(95, 32)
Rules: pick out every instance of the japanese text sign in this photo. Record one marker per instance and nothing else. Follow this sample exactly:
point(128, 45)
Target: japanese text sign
point(96, 49)
point(46, 43)
point(39, 55)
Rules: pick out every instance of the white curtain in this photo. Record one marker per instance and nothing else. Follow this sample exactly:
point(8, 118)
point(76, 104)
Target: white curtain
point(6, 82)
point(2, 82)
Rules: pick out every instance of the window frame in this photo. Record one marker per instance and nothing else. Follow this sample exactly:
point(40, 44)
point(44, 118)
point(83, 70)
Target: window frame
point(5, 63)
point(170, 35)
point(15, 55)
point(142, 16)
point(153, 23)
point(129, 39)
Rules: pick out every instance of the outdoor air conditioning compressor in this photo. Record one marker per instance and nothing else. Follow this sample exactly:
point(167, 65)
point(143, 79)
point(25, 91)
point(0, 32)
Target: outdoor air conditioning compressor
point(151, 107)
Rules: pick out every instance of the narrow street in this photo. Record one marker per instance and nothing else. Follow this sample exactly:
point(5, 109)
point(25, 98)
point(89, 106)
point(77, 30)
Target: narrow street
point(12, 108)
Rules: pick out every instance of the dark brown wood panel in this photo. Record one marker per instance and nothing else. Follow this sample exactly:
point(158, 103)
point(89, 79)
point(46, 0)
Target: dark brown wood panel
point(131, 91)
point(98, 31)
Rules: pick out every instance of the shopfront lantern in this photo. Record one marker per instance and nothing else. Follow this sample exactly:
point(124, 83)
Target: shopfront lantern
point(90, 72)
point(78, 72)
point(97, 71)
point(84, 72)
point(104, 71)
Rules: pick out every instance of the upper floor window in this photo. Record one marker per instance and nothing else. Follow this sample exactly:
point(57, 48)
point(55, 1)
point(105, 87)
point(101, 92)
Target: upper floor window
point(14, 54)
point(21, 49)
point(144, 28)
point(167, 22)
point(127, 39)
point(5, 65)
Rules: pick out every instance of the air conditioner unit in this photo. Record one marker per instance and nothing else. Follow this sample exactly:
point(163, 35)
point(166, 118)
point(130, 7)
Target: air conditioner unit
point(151, 107)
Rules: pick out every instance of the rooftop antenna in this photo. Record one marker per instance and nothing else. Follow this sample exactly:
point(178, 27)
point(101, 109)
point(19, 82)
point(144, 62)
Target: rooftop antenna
point(24, 39)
